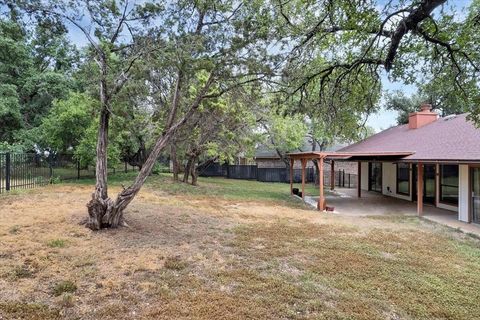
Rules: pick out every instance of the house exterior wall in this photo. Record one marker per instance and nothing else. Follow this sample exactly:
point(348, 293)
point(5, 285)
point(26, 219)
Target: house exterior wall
point(364, 178)
point(389, 181)
point(464, 197)
point(389, 186)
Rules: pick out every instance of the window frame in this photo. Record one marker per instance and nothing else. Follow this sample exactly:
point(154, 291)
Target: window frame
point(440, 185)
point(408, 180)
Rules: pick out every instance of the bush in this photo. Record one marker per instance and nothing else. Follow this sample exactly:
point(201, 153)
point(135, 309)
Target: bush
point(160, 168)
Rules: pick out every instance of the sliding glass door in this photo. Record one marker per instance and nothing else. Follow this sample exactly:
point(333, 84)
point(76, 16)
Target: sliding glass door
point(375, 176)
point(475, 178)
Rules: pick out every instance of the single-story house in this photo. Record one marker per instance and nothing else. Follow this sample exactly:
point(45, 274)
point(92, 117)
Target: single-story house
point(431, 160)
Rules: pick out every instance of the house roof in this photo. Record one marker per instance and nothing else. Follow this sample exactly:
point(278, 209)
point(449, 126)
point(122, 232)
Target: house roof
point(452, 138)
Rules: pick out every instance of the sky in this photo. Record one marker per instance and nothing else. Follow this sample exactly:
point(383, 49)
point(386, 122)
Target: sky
point(379, 121)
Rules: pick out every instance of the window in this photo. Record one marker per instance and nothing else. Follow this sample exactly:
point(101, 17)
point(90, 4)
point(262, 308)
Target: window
point(449, 184)
point(403, 178)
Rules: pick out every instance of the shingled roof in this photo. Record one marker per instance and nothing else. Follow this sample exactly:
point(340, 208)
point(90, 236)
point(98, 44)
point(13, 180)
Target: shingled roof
point(452, 138)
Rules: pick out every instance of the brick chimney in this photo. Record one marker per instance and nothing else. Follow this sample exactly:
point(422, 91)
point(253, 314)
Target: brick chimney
point(423, 117)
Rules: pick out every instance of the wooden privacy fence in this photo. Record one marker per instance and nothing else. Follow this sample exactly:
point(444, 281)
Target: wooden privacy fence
point(253, 172)
point(30, 170)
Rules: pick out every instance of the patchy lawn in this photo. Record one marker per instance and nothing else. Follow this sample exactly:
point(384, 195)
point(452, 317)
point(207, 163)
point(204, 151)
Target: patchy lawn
point(228, 249)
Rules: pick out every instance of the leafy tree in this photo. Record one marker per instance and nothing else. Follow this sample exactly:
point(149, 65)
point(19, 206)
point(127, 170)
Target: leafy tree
point(30, 76)
point(225, 40)
point(342, 43)
point(10, 116)
point(226, 130)
point(64, 127)
point(284, 133)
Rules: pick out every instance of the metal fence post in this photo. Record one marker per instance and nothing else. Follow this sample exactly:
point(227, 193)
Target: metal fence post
point(7, 171)
point(78, 169)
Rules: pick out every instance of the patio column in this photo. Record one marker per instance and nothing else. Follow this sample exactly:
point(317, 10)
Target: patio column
point(332, 175)
point(420, 189)
point(359, 180)
point(321, 198)
point(304, 164)
point(291, 175)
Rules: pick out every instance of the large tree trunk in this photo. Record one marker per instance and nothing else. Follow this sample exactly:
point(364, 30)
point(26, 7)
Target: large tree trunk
point(100, 201)
point(174, 159)
point(193, 172)
point(188, 169)
point(103, 211)
point(111, 212)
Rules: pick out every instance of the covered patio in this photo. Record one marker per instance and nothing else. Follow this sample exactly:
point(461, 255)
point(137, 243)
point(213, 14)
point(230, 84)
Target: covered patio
point(346, 203)
point(358, 202)
point(319, 158)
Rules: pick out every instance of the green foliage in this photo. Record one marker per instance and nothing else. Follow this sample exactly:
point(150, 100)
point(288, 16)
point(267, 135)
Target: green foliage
point(159, 168)
point(64, 127)
point(286, 133)
point(86, 149)
point(16, 148)
point(10, 116)
point(39, 92)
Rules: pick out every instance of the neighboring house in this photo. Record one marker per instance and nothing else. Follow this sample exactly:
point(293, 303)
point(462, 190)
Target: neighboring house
point(446, 150)
point(268, 158)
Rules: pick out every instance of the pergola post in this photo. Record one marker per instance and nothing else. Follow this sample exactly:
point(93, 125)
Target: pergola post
point(304, 164)
point(291, 175)
point(332, 175)
point(420, 188)
point(359, 180)
point(321, 198)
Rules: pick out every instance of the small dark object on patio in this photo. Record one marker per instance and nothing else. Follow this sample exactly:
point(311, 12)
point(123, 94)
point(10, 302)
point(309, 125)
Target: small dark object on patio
point(330, 209)
point(295, 191)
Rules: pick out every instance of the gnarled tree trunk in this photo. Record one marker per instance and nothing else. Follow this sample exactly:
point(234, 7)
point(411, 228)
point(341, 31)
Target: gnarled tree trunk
point(103, 211)
point(100, 202)
point(188, 170)
point(193, 172)
point(109, 213)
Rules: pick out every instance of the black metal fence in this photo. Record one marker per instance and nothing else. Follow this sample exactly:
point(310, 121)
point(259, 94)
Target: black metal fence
point(30, 170)
point(253, 172)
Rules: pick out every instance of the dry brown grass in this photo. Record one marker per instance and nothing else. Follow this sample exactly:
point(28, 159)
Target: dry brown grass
point(196, 257)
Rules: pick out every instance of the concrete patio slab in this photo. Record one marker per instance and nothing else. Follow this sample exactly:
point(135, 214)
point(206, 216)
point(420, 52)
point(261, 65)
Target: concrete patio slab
point(346, 203)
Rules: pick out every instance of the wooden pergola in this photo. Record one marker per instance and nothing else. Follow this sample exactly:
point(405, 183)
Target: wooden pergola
point(320, 157)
